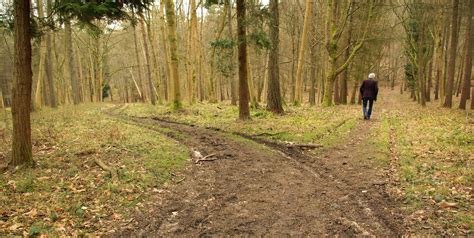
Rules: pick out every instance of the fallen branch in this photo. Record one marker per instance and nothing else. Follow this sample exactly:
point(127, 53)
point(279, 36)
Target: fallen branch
point(268, 134)
point(207, 158)
point(304, 146)
point(338, 125)
point(113, 172)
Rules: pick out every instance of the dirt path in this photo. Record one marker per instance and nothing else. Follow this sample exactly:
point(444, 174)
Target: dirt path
point(256, 187)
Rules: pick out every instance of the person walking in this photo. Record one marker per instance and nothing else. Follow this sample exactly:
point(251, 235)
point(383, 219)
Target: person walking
point(368, 91)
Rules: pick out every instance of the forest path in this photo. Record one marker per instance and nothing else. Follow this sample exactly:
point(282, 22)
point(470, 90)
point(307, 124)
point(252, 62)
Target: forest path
point(256, 187)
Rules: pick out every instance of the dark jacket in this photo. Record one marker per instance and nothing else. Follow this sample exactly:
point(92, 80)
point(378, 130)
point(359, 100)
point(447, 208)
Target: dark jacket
point(369, 89)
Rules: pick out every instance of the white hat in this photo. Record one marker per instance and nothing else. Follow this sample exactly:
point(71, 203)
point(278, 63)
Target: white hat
point(371, 76)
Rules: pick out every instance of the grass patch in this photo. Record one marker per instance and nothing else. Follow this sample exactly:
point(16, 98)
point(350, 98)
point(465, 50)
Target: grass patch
point(380, 137)
point(435, 148)
point(303, 124)
point(67, 194)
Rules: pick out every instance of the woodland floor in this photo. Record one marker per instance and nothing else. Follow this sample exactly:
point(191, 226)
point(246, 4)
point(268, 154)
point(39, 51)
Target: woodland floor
point(406, 171)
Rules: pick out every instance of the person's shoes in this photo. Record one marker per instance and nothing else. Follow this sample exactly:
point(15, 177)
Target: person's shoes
point(365, 117)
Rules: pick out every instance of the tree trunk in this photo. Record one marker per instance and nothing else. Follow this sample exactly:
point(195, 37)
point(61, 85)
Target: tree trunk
point(292, 83)
point(314, 64)
point(264, 92)
point(151, 86)
point(213, 85)
point(273, 92)
point(444, 58)
point(38, 99)
point(21, 97)
point(188, 61)
point(312, 91)
point(244, 111)
point(452, 56)
point(345, 74)
point(80, 74)
point(233, 86)
point(92, 74)
point(251, 83)
point(354, 91)
point(76, 98)
point(139, 61)
point(429, 83)
point(193, 50)
point(99, 58)
point(336, 90)
point(156, 68)
point(437, 62)
point(459, 76)
point(437, 65)
point(200, 87)
point(167, 81)
point(49, 63)
point(328, 89)
point(2, 103)
point(467, 58)
point(421, 69)
point(301, 53)
point(172, 39)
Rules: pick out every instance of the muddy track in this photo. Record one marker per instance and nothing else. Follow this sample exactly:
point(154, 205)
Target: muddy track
point(256, 187)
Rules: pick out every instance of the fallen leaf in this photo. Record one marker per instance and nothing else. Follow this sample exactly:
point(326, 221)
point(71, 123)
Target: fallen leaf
point(32, 214)
point(445, 204)
point(43, 178)
point(60, 227)
point(12, 184)
point(15, 227)
point(116, 216)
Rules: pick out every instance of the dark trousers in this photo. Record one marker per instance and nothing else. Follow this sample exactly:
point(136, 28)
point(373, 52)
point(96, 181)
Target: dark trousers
point(366, 112)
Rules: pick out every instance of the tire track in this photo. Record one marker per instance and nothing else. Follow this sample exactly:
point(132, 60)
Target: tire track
point(282, 191)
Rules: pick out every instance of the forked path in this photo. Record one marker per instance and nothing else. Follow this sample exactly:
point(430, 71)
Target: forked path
point(254, 187)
